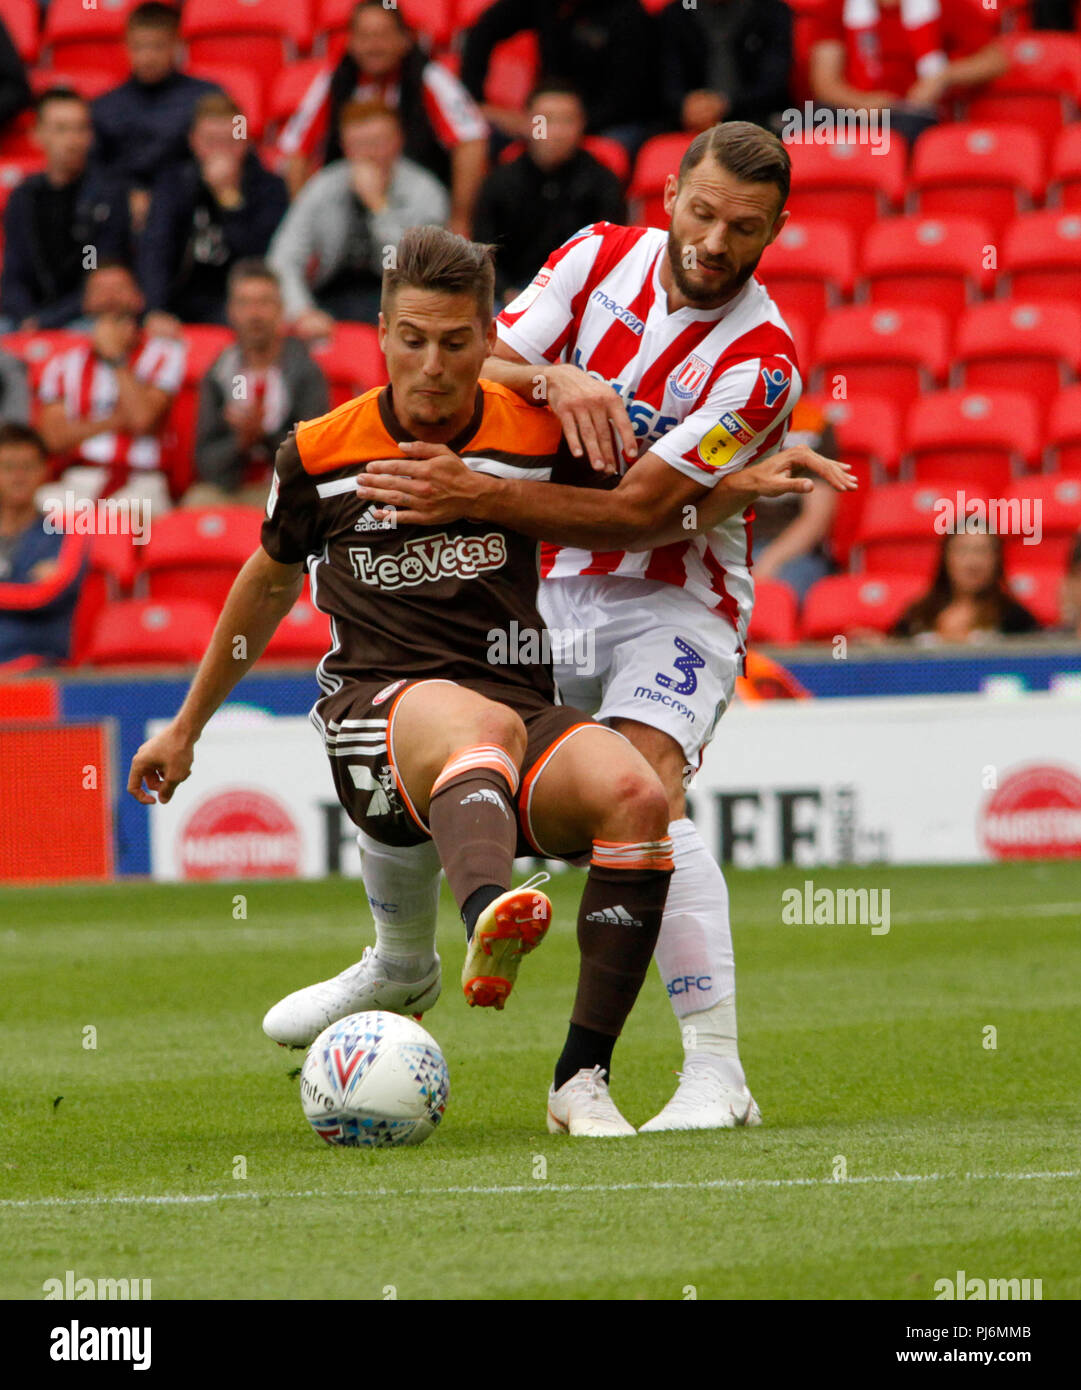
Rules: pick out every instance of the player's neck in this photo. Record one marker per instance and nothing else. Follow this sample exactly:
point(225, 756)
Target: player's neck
point(441, 433)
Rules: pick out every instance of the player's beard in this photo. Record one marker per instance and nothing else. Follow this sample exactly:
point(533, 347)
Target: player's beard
point(699, 296)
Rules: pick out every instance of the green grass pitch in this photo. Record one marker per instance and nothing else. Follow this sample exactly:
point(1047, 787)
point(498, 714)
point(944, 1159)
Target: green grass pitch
point(898, 1145)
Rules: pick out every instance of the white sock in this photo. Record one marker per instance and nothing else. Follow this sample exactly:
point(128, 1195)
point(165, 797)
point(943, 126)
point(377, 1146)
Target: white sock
point(694, 950)
point(710, 1036)
point(402, 884)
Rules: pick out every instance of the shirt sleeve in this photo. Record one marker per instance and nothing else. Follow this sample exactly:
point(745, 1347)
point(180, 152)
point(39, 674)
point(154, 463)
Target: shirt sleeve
point(454, 115)
point(291, 530)
point(161, 364)
point(537, 325)
point(51, 388)
point(743, 418)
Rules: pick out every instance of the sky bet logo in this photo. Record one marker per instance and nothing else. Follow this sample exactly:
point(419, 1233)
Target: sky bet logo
point(683, 984)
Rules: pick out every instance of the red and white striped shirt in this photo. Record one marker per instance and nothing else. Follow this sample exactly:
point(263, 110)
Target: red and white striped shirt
point(86, 387)
point(452, 112)
point(707, 390)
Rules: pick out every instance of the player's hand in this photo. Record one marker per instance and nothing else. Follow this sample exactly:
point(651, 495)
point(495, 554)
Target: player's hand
point(429, 486)
point(163, 762)
point(773, 477)
point(589, 410)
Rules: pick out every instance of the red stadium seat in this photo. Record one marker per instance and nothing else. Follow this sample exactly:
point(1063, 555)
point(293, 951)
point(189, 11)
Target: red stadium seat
point(987, 171)
point(849, 603)
point(109, 577)
point(773, 618)
point(972, 438)
point(90, 83)
point(657, 158)
point(902, 527)
point(1040, 590)
point(1009, 341)
point(868, 431)
point(1064, 431)
point(302, 635)
point(810, 268)
point(140, 632)
point(610, 153)
point(1064, 182)
point(894, 352)
point(512, 71)
point(21, 22)
point(936, 262)
point(1056, 502)
point(75, 36)
point(352, 361)
point(846, 182)
point(1041, 256)
point(1042, 87)
point(434, 21)
point(195, 553)
point(289, 89)
point(242, 85)
point(266, 33)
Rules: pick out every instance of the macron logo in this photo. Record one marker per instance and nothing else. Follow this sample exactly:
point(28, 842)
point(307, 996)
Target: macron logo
point(633, 322)
point(615, 917)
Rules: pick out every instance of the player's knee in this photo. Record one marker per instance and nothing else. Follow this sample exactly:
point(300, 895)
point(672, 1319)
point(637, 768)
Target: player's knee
point(639, 809)
point(504, 728)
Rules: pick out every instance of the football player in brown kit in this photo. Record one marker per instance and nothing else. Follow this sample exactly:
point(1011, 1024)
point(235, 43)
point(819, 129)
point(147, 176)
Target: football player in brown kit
point(430, 741)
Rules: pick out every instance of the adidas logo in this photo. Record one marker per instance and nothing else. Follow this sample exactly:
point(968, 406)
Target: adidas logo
point(368, 522)
point(485, 795)
point(616, 916)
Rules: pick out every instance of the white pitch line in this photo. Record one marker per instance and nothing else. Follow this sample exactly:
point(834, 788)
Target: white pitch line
point(181, 1199)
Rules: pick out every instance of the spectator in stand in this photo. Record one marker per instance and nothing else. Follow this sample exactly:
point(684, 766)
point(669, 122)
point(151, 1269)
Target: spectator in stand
point(726, 60)
point(906, 56)
point(252, 395)
point(969, 600)
point(607, 49)
point(219, 208)
point(1070, 605)
point(445, 133)
point(791, 533)
point(41, 568)
point(14, 391)
point(103, 404)
point(141, 127)
point(55, 220)
point(15, 94)
point(343, 219)
point(560, 183)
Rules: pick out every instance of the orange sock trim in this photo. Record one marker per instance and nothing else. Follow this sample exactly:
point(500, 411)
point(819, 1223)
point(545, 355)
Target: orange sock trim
point(640, 854)
point(484, 755)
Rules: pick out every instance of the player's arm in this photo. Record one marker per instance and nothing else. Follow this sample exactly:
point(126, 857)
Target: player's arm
point(262, 593)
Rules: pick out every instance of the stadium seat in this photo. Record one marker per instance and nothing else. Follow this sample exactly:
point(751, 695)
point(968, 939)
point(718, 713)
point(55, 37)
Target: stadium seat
point(204, 342)
point(195, 553)
point(773, 618)
point(1040, 590)
point(810, 268)
point(1042, 87)
point(801, 337)
point(302, 635)
point(266, 33)
point(1008, 341)
point(90, 83)
point(1064, 431)
point(1064, 181)
point(936, 262)
point(141, 632)
point(1056, 502)
point(894, 352)
point(242, 85)
point(433, 21)
point(868, 432)
point(76, 35)
point(657, 158)
point(848, 603)
point(288, 90)
point(21, 22)
point(512, 71)
point(902, 527)
point(1041, 256)
point(846, 182)
point(352, 361)
point(610, 153)
point(109, 578)
point(972, 438)
point(988, 171)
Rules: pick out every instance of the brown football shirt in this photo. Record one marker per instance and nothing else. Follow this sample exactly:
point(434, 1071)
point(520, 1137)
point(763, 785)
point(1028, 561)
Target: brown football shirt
point(414, 601)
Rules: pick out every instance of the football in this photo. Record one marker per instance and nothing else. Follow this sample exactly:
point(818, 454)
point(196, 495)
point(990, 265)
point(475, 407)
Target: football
point(374, 1080)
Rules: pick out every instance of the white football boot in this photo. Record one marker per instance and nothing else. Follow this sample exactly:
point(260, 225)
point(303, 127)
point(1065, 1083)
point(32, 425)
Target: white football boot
point(508, 929)
point(583, 1106)
point(705, 1099)
point(299, 1018)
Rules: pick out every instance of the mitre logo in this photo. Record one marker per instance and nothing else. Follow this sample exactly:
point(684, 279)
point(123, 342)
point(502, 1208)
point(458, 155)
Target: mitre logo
point(428, 559)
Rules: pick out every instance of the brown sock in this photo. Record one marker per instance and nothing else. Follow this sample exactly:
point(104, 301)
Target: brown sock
point(473, 820)
point(618, 923)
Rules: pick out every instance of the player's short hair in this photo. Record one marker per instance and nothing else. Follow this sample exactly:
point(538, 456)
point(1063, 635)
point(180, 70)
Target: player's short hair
point(353, 112)
point(744, 150)
point(431, 258)
point(216, 106)
point(153, 15)
point(57, 94)
point(14, 434)
point(554, 86)
point(252, 268)
point(392, 10)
